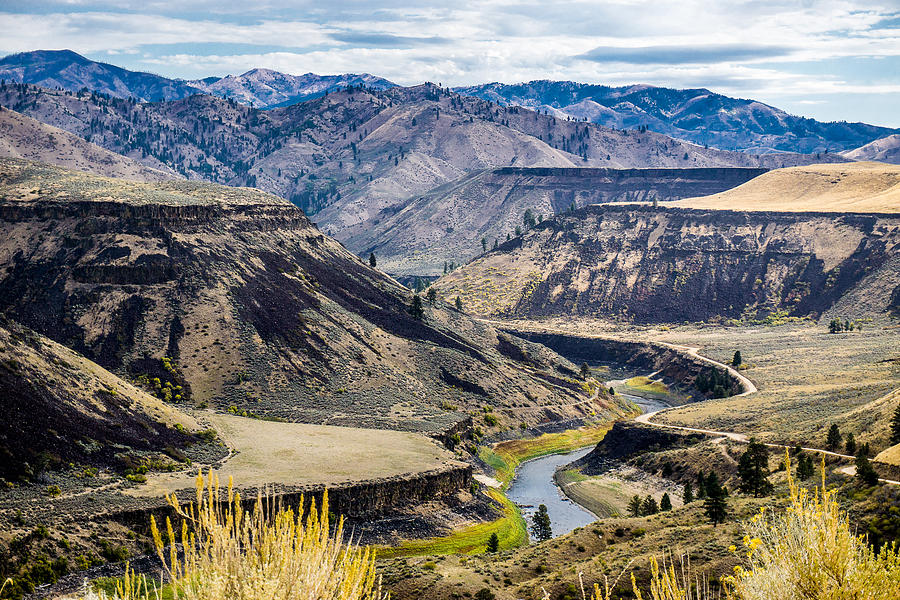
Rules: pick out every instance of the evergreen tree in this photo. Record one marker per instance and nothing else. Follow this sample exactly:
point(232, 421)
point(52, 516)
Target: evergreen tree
point(585, 370)
point(496, 243)
point(737, 360)
point(634, 506)
point(493, 544)
point(649, 506)
point(483, 245)
point(834, 438)
point(458, 303)
point(688, 495)
point(753, 468)
point(701, 486)
point(850, 444)
point(895, 426)
point(432, 295)
point(415, 307)
point(865, 471)
point(372, 261)
point(665, 503)
point(540, 524)
point(715, 506)
point(805, 467)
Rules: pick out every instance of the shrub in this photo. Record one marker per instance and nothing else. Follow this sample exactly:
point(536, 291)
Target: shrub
point(810, 551)
point(223, 551)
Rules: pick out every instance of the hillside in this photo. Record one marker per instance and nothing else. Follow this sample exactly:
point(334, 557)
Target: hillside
point(60, 408)
point(674, 264)
point(886, 149)
point(345, 157)
point(262, 88)
point(447, 224)
point(24, 137)
point(698, 115)
point(258, 312)
point(866, 187)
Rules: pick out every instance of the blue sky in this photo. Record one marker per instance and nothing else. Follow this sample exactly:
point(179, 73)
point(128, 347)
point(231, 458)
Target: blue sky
point(827, 59)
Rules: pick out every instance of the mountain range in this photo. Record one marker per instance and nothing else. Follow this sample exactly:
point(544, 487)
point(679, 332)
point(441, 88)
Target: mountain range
point(262, 88)
point(698, 115)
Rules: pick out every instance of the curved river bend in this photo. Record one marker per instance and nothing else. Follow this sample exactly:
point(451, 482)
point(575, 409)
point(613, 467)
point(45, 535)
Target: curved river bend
point(534, 484)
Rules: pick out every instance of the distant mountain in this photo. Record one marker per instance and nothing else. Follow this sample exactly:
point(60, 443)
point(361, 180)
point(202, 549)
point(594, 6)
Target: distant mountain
point(698, 115)
point(350, 155)
point(262, 88)
point(71, 71)
point(886, 149)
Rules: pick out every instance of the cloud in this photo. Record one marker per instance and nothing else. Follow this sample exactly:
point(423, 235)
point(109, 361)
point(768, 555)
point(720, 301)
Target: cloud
point(385, 40)
point(681, 54)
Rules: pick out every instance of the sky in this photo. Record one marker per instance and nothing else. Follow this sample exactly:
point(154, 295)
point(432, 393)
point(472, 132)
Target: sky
point(826, 59)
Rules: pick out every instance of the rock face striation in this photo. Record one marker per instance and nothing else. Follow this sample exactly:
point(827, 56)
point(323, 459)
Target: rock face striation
point(447, 224)
point(672, 264)
point(258, 312)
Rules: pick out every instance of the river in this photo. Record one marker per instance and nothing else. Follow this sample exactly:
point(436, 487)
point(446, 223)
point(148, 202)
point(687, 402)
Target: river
point(534, 484)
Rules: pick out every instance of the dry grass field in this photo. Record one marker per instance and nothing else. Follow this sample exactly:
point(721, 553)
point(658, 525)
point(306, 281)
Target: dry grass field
point(269, 452)
point(807, 377)
point(842, 187)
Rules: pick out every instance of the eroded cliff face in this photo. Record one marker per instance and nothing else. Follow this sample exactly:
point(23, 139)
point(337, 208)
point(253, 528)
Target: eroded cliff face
point(259, 312)
point(667, 265)
point(448, 223)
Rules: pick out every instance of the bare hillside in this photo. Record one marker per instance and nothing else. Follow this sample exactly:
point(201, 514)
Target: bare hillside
point(258, 311)
point(886, 149)
point(448, 223)
point(865, 187)
point(24, 137)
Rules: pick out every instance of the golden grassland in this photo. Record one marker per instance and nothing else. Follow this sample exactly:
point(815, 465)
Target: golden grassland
point(266, 452)
point(837, 187)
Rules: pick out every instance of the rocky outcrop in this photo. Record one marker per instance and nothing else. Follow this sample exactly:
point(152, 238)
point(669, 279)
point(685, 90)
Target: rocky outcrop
point(421, 234)
point(672, 264)
point(627, 439)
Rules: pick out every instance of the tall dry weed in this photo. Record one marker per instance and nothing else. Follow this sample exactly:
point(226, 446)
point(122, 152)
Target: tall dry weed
point(222, 552)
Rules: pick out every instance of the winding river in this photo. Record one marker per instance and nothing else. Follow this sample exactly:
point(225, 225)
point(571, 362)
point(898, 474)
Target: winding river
point(534, 484)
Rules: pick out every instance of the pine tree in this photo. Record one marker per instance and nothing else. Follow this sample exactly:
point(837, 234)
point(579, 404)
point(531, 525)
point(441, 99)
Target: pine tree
point(483, 245)
point(850, 444)
point(585, 370)
point(665, 503)
point(805, 468)
point(415, 307)
point(715, 506)
point(540, 524)
point(493, 544)
point(688, 495)
point(701, 486)
point(865, 471)
point(834, 438)
point(649, 506)
point(737, 360)
point(372, 261)
point(753, 468)
point(432, 295)
point(458, 303)
point(895, 426)
point(634, 506)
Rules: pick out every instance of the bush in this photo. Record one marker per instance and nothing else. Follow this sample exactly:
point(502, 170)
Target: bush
point(811, 551)
point(259, 554)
